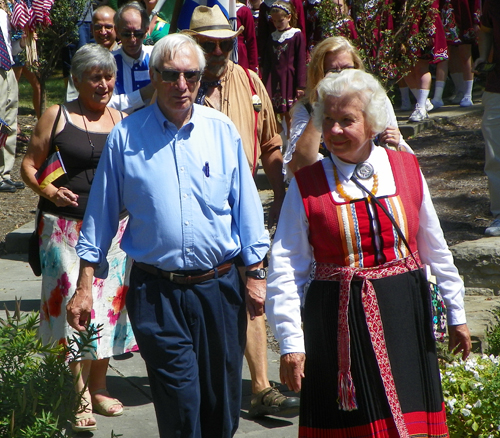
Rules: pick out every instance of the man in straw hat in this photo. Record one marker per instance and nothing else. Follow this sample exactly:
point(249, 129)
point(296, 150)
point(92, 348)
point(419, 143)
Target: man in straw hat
point(240, 94)
point(192, 209)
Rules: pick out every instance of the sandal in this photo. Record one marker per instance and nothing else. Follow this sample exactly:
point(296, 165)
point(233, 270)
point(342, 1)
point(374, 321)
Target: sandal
point(103, 406)
point(80, 417)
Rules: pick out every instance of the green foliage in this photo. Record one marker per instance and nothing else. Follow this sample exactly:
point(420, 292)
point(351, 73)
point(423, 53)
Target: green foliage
point(37, 393)
point(472, 397)
point(388, 39)
point(493, 336)
point(55, 93)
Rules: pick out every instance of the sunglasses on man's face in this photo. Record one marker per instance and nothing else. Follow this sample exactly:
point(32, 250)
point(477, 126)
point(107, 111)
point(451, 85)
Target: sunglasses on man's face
point(138, 34)
point(225, 45)
point(174, 75)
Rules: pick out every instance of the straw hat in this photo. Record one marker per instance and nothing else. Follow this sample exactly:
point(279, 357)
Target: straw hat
point(212, 23)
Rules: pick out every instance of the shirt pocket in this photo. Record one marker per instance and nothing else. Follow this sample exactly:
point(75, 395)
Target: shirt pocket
point(216, 191)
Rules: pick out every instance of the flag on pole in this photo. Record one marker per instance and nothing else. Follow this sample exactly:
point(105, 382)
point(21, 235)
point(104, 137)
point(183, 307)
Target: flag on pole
point(52, 169)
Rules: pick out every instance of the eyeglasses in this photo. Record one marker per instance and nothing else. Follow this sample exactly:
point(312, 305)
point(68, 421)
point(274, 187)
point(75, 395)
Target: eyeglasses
point(190, 76)
point(338, 70)
point(225, 45)
point(138, 34)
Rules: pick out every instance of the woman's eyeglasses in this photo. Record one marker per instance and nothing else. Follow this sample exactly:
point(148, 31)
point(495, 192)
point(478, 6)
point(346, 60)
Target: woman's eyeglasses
point(138, 34)
point(338, 70)
point(174, 75)
point(225, 45)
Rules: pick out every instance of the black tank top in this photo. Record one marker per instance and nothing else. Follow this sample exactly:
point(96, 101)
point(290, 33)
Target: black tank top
point(80, 160)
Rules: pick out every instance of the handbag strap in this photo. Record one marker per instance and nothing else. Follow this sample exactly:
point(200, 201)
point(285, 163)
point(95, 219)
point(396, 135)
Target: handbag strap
point(51, 151)
point(53, 132)
point(382, 207)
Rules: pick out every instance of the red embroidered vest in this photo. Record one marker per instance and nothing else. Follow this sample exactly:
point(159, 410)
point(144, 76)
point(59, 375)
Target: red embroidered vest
point(342, 233)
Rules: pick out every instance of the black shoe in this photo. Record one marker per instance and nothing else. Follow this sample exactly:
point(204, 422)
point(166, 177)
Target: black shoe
point(17, 184)
point(272, 402)
point(5, 187)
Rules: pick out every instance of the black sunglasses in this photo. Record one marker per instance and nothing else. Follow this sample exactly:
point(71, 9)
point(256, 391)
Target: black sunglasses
point(225, 45)
point(174, 75)
point(136, 33)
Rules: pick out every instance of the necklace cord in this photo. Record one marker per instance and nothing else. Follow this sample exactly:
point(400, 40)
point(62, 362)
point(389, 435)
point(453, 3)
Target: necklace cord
point(395, 225)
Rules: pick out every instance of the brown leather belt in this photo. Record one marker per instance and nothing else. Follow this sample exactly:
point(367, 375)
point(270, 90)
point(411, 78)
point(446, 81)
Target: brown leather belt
point(177, 278)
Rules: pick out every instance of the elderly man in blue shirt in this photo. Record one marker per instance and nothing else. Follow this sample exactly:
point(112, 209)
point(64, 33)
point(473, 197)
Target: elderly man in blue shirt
point(180, 172)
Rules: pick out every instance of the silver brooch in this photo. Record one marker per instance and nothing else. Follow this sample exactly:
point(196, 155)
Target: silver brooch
point(364, 170)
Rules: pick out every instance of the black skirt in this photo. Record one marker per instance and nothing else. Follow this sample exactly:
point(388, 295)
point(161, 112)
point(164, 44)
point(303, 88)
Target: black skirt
point(404, 304)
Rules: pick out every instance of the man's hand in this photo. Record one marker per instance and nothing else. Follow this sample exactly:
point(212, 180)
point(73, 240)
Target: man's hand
point(79, 308)
point(459, 340)
point(292, 370)
point(255, 296)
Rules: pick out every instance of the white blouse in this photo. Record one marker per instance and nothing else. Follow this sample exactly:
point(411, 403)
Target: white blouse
point(292, 259)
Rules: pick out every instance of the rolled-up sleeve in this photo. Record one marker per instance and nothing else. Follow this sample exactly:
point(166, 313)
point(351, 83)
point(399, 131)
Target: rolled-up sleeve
point(101, 219)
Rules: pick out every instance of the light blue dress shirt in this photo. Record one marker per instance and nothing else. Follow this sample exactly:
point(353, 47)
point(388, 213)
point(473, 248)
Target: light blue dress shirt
point(190, 196)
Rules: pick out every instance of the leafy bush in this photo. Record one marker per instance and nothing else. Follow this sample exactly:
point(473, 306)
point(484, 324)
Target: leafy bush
point(37, 393)
point(493, 336)
point(472, 396)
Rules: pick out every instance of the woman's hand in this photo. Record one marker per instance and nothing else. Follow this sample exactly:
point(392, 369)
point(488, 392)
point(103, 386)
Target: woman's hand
point(459, 340)
point(63, 197)
point(390, 136)
point(292, 370)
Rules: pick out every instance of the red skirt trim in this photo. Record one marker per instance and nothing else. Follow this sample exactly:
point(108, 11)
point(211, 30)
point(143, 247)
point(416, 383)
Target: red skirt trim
point(419, 425)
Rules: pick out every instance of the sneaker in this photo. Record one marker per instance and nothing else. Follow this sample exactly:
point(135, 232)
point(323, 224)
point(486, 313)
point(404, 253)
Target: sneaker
point(272, 402)
point(466, 101)
point(457, 98)
point(428, 105)
point(437, 103)
point(406, 106)
point(418, 115)
point(494, 229)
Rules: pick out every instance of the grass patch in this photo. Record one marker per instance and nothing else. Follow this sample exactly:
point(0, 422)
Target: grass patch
point(56, 93)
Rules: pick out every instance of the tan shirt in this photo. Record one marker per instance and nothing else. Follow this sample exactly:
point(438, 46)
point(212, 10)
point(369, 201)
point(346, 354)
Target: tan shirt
point(236, 103)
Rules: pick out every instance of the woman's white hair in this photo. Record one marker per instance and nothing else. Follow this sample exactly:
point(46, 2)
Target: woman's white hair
point(355, 83)
point(167, 48)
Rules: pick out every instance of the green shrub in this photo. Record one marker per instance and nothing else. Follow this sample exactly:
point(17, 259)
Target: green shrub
point(471, 391)
point(37, 393)
point(493, 336)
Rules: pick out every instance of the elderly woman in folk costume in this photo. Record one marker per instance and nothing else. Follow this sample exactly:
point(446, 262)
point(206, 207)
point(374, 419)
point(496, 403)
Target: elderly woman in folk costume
point(365, 216)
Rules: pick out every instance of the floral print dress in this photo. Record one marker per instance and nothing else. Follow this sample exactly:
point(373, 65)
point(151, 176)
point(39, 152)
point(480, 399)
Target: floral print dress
point(60, 267)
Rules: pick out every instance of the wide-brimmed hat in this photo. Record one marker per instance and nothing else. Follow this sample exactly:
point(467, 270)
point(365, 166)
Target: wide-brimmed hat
point(212, 23)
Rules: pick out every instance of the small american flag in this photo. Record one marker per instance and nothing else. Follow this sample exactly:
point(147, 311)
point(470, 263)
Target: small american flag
point(20, 14)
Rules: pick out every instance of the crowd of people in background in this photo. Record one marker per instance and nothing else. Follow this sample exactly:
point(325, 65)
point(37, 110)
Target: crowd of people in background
point(161, 136)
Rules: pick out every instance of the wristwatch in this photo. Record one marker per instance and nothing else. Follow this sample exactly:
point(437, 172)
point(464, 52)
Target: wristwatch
point(259, 274)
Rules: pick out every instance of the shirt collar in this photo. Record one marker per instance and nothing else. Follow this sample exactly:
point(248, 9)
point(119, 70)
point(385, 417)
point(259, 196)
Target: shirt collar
point(129, 60)
point(167, 124)
point(347, 169)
